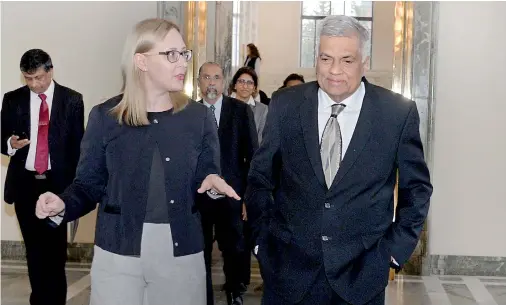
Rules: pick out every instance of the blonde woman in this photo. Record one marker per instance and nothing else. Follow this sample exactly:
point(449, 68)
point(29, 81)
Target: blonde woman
point(144, 156)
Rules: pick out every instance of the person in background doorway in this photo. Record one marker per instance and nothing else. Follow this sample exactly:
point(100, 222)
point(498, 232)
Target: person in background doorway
point(253, 59)
point(145, 155)
point(293, 80)
point(222, 219)
point(42, 128)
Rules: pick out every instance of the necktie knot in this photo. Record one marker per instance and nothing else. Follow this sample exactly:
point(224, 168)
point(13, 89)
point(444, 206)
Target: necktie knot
point(336, 109)
point(212, 108)
point(43, 97)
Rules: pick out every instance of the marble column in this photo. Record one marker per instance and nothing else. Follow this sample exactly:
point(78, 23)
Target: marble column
point(171, 10)
point(414, 72)
point(248, 15)
point(207, 27)
point(192, 19)
point(423, 78)
point(223, 29)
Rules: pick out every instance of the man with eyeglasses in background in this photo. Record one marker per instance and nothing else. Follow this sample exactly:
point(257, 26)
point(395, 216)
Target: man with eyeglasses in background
point(222, 219)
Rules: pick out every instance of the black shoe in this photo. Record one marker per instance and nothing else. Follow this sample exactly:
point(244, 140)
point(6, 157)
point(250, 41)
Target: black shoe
point(234, 299)
point(243, 288)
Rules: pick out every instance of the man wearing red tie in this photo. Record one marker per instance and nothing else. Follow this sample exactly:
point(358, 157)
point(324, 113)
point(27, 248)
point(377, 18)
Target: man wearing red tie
point(42, 127)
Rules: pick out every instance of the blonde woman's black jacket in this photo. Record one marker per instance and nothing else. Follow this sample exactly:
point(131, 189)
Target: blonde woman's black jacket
point(114, 170)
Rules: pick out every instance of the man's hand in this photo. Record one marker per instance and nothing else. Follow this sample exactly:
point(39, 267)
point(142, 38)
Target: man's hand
point(18, 144)
point(244, 213)
point(214, 182)
point(49, 205)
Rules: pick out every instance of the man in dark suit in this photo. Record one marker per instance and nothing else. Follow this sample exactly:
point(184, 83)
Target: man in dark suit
point(223, 219)
point(42, 127)
point(320, 188)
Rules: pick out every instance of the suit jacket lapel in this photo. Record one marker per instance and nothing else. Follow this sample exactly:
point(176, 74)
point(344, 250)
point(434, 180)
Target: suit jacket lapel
point(54, 122)
point(309, 122)
point(224, 116)
point(360, 136)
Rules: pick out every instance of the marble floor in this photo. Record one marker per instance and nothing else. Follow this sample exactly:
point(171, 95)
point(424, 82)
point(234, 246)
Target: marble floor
point(405, 290)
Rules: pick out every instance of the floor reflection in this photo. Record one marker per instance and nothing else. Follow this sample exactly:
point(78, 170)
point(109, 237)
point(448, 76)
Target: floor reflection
point(405, 290)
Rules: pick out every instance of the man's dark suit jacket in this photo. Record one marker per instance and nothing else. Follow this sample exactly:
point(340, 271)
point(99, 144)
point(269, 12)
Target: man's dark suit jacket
point(238, 143)
point(66, 129)
point(301, 226)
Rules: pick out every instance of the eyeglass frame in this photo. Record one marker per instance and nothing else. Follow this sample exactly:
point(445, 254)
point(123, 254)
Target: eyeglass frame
point(180, 53)
point(248, 83)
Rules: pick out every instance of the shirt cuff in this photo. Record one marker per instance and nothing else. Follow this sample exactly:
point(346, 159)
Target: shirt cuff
point(10, 151)
point(256, 250)
point(57, 219)
point(395, 262)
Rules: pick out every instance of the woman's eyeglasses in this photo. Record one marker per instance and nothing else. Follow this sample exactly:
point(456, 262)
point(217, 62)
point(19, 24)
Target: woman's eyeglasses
point(245, 82)
point(173, 55)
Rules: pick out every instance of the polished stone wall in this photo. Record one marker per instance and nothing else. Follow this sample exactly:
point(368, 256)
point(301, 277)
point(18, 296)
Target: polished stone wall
point(207, 30)
point(418, 83)
point(223, 37)
point(171, 10)
point(422, 87)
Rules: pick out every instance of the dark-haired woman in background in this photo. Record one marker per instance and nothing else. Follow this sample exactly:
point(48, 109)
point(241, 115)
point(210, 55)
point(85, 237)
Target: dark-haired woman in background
point(243, 87)
point(253, 58)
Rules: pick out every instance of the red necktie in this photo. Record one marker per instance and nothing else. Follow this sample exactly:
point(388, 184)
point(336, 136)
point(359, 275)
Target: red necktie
point(42, 154)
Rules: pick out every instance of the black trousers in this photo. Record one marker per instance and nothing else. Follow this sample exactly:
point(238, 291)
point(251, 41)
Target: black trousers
point(246, 255)
point(221, 220)
point(46, 246)
point(320, 293)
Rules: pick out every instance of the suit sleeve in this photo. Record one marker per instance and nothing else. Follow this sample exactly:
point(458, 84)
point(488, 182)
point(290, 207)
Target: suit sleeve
point(7, 124)
point(209, 159)
point(251, 143)
point(77, 133)
point(262, 175)
point(89, 185)
point(414, 191)
point(248, 143)
point(262, 124)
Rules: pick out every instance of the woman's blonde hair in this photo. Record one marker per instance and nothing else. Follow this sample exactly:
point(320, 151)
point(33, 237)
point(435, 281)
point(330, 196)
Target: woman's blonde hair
point(132, 109)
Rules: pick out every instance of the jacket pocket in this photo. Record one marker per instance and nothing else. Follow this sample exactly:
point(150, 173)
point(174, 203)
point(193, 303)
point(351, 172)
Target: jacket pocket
point(280, 231)
point(371, 239)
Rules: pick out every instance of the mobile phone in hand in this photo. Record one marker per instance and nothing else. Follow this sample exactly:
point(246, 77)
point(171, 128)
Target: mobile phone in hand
point(22, 136)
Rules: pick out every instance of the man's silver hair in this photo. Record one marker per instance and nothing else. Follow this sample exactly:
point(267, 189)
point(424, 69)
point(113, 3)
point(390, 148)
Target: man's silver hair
point(211, 63)
point(345, 26)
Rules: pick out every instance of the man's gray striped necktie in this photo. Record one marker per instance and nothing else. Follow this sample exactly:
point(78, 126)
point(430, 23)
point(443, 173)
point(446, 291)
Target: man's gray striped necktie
point(213, 109)
point(331, 145)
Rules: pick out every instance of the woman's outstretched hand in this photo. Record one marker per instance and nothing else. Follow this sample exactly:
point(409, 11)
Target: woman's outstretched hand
point(217, 184)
